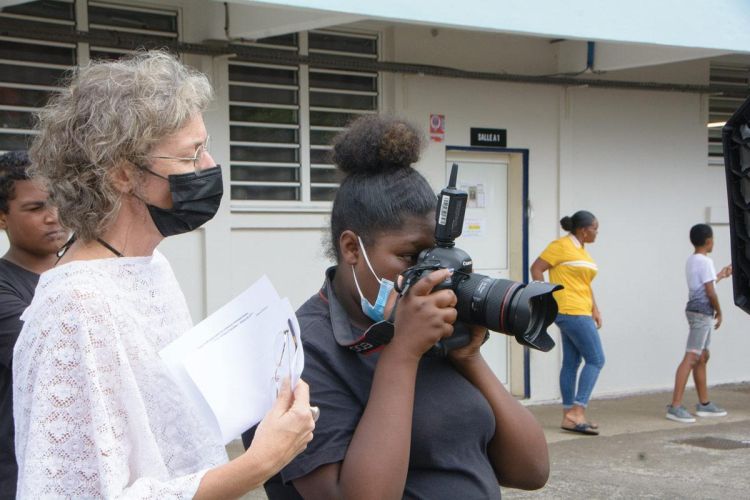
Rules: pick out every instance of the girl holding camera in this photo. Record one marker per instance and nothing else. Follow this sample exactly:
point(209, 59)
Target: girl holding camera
point(395, 422)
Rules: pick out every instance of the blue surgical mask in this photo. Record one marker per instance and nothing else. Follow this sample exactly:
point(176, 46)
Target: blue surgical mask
point(375, 312)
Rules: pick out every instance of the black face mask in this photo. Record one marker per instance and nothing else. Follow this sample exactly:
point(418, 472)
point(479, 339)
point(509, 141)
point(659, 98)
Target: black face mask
point(195, 200)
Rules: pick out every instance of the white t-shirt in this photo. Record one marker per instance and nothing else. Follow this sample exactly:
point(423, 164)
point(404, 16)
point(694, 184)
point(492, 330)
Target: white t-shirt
point(96, 412)
point(699, 270)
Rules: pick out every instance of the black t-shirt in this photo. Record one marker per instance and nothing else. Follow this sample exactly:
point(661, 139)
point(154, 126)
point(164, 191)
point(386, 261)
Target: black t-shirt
point(17, 287)
point(452, 422)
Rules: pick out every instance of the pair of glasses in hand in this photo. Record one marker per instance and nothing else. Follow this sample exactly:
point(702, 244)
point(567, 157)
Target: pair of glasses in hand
point(285, 353)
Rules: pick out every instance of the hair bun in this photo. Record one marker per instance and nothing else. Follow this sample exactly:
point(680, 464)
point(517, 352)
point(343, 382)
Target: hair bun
point(566, 223)
point(376, 144)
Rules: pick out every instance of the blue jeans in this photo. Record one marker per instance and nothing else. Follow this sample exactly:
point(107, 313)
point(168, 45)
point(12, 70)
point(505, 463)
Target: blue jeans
point(580, 340)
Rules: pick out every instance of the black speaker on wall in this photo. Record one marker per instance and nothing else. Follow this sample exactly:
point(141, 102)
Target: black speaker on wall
point(736, 142)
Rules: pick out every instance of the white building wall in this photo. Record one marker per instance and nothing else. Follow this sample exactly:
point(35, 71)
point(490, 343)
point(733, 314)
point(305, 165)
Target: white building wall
point(636, 159)
point(293, 257)
point(639, 163)
point(531, 116)
point(187, 255)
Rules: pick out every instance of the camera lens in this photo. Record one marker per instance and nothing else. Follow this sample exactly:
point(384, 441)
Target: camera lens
point(510, 307)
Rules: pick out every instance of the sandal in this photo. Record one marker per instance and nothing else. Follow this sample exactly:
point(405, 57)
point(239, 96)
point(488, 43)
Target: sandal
point(580, 427)
point(593, 425)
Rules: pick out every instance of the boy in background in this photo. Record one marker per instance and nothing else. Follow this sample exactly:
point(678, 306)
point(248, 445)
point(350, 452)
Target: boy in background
point(35, 236)
point(702, 308)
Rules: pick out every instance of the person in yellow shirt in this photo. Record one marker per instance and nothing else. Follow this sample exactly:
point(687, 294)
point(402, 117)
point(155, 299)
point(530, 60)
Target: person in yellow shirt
point(578, 318)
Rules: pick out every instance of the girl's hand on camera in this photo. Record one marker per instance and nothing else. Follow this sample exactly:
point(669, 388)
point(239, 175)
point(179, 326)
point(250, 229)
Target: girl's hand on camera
point(423, 317)
point(470, 352)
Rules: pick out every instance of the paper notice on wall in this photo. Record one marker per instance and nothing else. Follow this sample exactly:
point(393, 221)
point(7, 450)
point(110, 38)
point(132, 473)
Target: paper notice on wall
point(437, 128)
point(473, 227)
point(476, 193)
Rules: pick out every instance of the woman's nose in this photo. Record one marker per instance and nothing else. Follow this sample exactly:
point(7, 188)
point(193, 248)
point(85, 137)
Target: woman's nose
point(206, 161)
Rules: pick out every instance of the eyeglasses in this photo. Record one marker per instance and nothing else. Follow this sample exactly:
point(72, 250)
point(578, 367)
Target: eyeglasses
point(285, 348)
point(203, 148)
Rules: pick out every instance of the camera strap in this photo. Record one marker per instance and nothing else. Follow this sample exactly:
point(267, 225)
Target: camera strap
point(374, 338)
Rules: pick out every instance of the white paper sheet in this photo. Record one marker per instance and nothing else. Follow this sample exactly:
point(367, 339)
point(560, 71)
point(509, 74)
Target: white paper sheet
point(229, 363)
point(240, 373)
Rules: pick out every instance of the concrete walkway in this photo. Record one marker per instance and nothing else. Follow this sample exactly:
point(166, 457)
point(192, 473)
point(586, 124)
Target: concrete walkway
point(641, 454)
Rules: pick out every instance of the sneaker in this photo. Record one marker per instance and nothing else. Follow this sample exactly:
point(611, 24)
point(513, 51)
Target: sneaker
point(709, 410)
point(679, 414)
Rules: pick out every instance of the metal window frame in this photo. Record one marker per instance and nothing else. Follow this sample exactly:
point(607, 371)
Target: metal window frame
point(30, 86)
point(299, 185)
point(305, 185)
point(50, 20)
point(135, 7)
point(82, 51)
point(283, 126)
point(350, 34)
point(143, 7)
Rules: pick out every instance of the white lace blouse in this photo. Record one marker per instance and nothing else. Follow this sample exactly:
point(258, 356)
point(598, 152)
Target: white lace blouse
point(96, 413)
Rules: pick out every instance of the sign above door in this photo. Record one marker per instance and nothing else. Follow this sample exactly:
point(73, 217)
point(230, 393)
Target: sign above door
point(491, 137)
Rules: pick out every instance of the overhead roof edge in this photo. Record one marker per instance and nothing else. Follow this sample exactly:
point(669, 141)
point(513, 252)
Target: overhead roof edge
point(718, 24)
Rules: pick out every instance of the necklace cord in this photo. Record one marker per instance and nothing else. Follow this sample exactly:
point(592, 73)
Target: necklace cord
point(109, 247)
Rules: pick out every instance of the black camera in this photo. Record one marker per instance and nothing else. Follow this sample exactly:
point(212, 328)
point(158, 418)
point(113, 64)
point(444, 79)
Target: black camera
point(522, 310)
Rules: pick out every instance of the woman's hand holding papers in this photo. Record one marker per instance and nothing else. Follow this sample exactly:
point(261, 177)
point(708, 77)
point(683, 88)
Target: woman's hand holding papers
point(282, 435)
point(287, 428)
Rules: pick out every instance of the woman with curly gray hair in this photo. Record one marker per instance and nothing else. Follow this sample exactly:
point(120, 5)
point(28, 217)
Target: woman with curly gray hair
point(124, 151)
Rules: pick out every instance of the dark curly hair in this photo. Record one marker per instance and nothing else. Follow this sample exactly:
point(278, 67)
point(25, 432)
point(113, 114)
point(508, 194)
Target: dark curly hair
point(12, 168)
point(582, 218)
point(380, 189)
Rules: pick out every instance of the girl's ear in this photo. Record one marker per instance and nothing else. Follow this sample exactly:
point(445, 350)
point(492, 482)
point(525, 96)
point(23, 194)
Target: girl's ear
point(348, 248)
